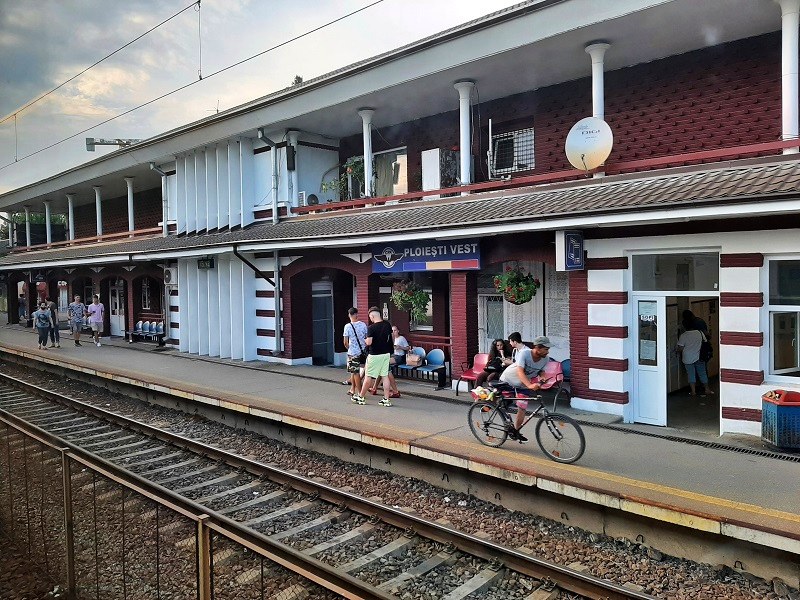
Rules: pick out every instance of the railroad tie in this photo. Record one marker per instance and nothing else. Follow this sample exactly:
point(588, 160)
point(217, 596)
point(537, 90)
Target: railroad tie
point(293, 508)
point(236, 490)
point(310, 526)
point(544, 594)
point(202, 484)
point(187, 475)
point(393, 586)
point(479, 583)
point(260, 500)
point(393, 548)
point(354, 534)
point(159, 458)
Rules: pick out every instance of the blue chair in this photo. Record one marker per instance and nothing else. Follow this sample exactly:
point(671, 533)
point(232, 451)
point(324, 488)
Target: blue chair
point(409, 368)
point(434, 363)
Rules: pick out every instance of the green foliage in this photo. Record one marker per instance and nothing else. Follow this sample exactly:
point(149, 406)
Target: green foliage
point(517, 285)
point(353, 168)
point(408, 296)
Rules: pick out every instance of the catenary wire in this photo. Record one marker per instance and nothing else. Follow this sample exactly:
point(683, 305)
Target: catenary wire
point(190, 84)
point(106, 57)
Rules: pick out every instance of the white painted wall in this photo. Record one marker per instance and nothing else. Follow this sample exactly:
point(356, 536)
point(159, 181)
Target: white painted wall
point(312, 165)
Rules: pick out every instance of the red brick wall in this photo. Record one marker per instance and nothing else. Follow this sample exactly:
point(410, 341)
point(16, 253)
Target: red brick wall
point(717, 97)
point(464, 298)
point(578, 332)
point(146, 213)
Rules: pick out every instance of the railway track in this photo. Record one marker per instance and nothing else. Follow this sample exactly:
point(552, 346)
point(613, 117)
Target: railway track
point(376, 550)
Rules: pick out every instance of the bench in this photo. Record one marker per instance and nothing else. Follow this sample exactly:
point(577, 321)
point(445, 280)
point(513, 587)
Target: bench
point(146, 332)
point(433, 364)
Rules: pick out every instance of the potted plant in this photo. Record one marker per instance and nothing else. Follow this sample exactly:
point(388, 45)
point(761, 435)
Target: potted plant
point(348, 184)
point(408, 296)
point(517, 285)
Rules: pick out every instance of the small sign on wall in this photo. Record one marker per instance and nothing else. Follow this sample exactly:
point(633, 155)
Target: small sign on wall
point(569, 251)
point(205, 263)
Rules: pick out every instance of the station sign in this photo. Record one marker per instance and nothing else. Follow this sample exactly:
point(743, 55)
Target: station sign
point(409, 257)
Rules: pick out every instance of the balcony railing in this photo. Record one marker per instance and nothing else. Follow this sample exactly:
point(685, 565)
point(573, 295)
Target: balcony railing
point(136, 233)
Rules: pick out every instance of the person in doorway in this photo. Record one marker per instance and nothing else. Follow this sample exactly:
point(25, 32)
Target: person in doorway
point(499, 359)
point(96, 312)
point(523, 374)
point(688, 347)
point(55, 337)
point(379, 340)
point(22, 308)
point(355, 340)
point(75, 313)
point(43, 321)
point(690, 321)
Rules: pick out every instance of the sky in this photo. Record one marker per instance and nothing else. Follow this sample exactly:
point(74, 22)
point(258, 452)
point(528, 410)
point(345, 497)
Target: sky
point(44, 43)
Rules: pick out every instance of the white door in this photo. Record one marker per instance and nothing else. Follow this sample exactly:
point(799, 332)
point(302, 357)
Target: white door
point(491, 319)
point(116, 309)
point(650, 368)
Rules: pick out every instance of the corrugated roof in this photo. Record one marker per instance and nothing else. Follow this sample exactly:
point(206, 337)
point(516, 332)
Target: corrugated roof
point(621, 194)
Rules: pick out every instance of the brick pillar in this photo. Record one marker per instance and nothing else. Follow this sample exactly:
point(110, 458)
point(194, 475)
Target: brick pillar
point(286, 315)
point(463, 318)
point(361, 280)
point(578, 332)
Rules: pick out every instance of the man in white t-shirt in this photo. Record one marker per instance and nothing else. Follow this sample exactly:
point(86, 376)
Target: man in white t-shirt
point(523, 374)
point(355, 340)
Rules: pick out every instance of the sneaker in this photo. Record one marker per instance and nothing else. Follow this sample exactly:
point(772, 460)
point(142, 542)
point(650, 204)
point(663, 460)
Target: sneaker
point(356, 399)
point(385, 401)
point(52, 345)
point(77, 343)
point(394, 395)
point(40, 346)
point(97, 344)
point(58, 345)
point(521, 438)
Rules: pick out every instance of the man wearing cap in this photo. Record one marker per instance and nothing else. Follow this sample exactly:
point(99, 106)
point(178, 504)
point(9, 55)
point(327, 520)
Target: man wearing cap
point(522, 374)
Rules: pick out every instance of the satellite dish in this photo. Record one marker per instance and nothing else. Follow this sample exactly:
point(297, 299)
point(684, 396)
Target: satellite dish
point(589, 143)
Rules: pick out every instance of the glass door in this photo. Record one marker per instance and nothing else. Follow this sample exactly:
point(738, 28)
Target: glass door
point(784, 342)
point(116, 309)
point(650, 368)
point(322, 323)
point(491, 321)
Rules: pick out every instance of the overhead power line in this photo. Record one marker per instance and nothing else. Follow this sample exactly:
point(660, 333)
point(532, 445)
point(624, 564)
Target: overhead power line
point(106, 57)
point(190, 84)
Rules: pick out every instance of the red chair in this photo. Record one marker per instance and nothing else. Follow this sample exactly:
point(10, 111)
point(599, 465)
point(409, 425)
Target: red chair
point(471, 374)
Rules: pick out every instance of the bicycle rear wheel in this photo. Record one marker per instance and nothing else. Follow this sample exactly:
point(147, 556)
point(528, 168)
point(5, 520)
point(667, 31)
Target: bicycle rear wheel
point(488, 424)
point(560, 438)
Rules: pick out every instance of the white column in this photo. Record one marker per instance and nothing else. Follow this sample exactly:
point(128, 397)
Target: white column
point(129, 183)
point(465, 138)
point(597, 51)
point(98, 209)
point(790, 21)
point(27, 226)
point(164, 205)
point(71, 211)
point(366, 118)
point(295, 177)
point(47, 228)
point(10, 230)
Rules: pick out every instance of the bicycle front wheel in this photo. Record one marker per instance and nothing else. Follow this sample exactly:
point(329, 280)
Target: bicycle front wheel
point(560, 438)
point(488, 424)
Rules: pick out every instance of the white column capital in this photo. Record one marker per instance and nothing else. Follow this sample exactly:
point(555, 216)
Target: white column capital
point(789, 6)
point(598, 49)
point(129, 181)
point(293, 136)
point(70, 197)
point(464, 87)
point(366, 114)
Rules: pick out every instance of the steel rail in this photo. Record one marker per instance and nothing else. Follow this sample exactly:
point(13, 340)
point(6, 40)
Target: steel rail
point(566, 578)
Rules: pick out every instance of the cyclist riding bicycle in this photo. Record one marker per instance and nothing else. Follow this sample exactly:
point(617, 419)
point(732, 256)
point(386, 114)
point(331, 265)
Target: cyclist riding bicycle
point(522, 375)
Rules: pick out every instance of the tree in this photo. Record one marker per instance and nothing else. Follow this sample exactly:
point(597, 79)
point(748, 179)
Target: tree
point(297, 80)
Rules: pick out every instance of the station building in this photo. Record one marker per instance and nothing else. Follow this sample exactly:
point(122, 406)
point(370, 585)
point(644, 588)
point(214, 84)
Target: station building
point(247, 235)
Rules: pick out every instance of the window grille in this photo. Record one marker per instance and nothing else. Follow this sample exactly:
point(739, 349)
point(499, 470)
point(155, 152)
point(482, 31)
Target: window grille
point(513, 152)
point(145, 294)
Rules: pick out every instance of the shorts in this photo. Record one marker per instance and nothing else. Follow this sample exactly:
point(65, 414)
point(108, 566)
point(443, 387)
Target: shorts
point(97, 327)
point(377, 365)
point(353, 364)
point(76, 326)
point(521, 403)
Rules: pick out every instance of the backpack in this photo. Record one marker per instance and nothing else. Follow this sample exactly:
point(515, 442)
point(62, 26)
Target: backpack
point(706, 350)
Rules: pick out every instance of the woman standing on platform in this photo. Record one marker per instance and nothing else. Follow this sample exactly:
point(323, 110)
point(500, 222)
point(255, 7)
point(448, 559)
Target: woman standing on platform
point(43, 320)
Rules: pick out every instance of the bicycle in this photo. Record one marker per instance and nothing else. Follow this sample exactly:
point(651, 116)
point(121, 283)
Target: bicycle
point(559, 436)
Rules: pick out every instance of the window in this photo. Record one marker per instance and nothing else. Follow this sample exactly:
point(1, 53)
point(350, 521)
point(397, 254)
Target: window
point(146, 293)
point(512, 152)
point(424, 280)
point(695, 272)
point(784, 317)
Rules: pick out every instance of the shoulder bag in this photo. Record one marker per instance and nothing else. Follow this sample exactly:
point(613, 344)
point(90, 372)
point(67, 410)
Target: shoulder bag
point(362, 358)
point(706, 349)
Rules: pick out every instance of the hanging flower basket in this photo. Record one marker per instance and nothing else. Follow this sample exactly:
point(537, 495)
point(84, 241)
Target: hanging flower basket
point(517, 285)
point(408, 296)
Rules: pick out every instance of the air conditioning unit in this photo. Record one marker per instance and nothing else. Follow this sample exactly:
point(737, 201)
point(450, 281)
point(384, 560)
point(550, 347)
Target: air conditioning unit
point(171, 276)
point(301, 198)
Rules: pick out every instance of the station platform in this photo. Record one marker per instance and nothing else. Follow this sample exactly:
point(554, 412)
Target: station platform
point(739, 495)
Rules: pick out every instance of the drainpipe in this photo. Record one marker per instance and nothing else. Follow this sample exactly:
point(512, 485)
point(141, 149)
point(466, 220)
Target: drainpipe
point(293, 136)
point(366, 119)
point(274, 152)
point(790, 21)
point(464, 88)
point(164, 199)
point(276, 285)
